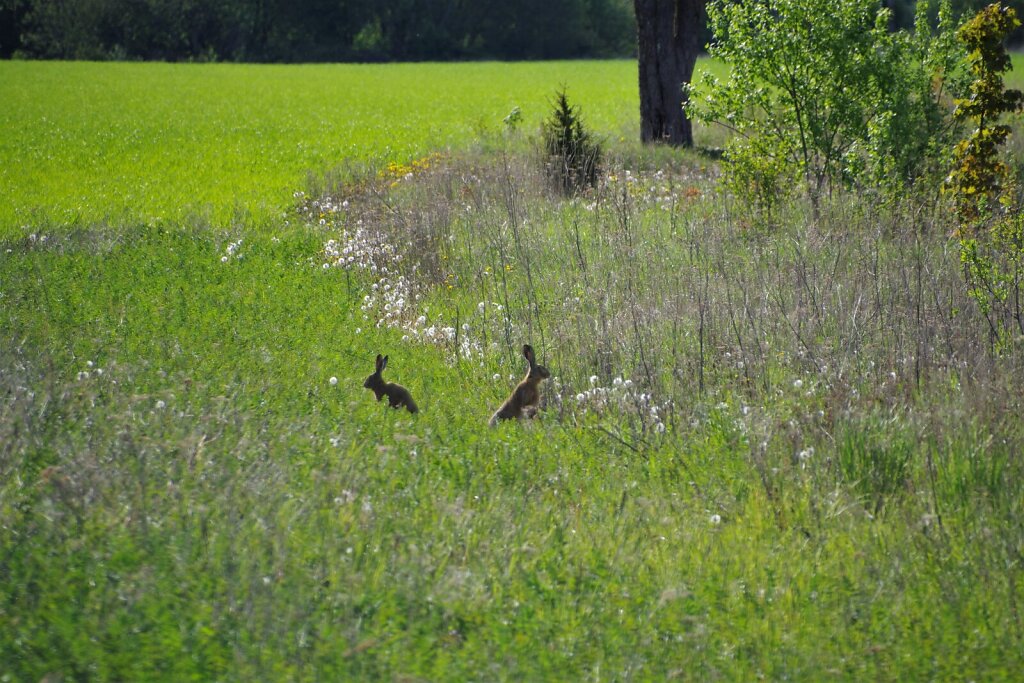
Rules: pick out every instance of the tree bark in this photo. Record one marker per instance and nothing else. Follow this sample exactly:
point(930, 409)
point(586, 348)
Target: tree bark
point(668, 41)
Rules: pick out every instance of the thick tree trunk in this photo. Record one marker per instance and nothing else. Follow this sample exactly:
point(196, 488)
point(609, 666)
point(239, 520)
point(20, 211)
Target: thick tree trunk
point(668, 37)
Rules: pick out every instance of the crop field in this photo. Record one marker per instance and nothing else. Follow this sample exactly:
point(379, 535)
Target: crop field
point(86, 143)
point(785, 454)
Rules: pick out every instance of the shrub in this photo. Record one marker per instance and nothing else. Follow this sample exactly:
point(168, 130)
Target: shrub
point(825, 92)
point(991, 230)
point(574, 156)
point(978, 176)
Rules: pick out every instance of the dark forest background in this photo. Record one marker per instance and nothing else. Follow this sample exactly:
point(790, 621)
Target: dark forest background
point(332, 30)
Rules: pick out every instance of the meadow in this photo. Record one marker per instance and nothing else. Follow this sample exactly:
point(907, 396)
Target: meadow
point(772, 454)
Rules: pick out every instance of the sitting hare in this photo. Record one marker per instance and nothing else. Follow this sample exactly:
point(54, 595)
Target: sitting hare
point(524, 399)
point(398, 395)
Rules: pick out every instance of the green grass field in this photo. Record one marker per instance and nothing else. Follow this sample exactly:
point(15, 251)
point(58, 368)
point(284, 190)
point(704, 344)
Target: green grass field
point(788, 455)
point(84, 143)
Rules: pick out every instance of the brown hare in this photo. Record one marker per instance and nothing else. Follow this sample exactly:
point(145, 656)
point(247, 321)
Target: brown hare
point(398, 395)
point(524, 399)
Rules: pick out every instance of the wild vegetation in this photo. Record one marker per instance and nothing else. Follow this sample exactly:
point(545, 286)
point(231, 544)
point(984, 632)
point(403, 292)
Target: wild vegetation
point(786, 449)
point(824, 96)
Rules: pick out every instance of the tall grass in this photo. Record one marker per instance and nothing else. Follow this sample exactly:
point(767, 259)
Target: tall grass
point(786, 454)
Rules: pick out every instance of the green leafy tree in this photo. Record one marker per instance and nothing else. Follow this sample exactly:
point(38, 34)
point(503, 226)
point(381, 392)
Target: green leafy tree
point(315, 30)
point(978, 175)
point(991, 228)
point(822, 91)
point(916, 76)
point(12, 14)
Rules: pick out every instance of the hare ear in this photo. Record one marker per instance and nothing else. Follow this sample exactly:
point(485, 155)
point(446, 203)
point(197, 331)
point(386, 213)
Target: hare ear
point(528, 352)
point(384, 363)
point(380, 362)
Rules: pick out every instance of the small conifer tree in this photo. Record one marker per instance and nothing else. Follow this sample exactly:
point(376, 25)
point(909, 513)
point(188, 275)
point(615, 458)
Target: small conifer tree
point(574, 155)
